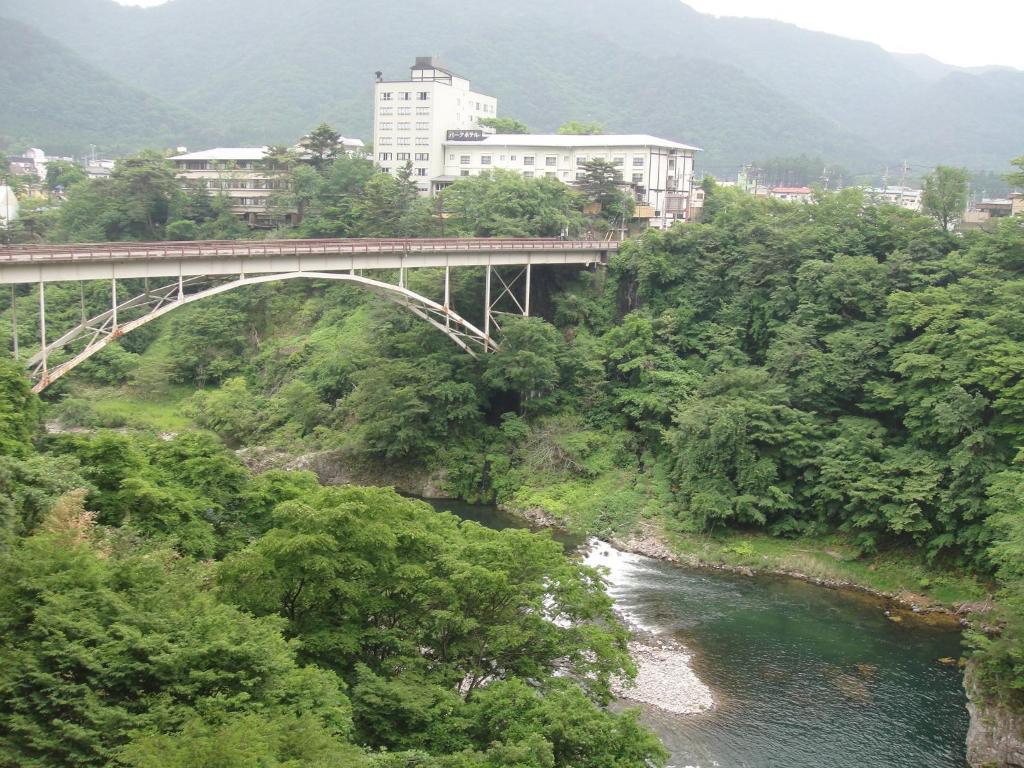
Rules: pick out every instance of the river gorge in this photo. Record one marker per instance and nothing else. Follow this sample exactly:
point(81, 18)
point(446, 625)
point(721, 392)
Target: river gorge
point(798, 676)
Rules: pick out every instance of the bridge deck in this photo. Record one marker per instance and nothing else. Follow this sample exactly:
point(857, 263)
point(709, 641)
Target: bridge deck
point(92, 261)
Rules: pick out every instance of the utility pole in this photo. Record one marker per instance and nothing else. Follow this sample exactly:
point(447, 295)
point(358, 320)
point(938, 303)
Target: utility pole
point(903, 180)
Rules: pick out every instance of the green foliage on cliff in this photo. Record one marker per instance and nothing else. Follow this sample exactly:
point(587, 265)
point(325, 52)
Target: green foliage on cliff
point(333, 627)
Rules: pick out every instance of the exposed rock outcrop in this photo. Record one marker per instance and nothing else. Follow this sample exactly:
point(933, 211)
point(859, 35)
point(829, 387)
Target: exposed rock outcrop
point(996, 736)
point(339, 468)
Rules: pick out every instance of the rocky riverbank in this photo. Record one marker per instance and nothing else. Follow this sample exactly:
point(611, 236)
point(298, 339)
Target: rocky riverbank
point(665, 677)
point(648, 541)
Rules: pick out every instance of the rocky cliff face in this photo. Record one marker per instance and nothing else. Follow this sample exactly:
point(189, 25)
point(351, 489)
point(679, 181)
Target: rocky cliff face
point(337, 468)
point(996, 735)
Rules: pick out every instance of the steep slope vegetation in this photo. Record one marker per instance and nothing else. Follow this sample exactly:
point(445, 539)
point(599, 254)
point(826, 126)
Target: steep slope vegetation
point(52, 97)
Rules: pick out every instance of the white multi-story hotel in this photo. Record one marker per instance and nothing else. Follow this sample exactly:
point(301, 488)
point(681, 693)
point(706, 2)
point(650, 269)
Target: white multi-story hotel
point(412, 118)
point(658, 171)
point(433, 119)
point(243, 175)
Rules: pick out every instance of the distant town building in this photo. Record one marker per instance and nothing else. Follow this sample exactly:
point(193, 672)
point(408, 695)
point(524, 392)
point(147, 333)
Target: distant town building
point(1017, 203)
point(981, 213)
point(241, 174)
point(792, 194)
point(8, 206)
point(99, 169)
point(431, 122)
point(24, 167)
point(658, 172)
point(904, 197)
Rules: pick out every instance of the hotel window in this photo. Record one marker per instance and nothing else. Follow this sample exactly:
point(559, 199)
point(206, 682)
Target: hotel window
point(403, 141)
point(464, 160)
point(618, 162)
point(422, 111)
point(405, 110)
point(422, 155)
point(638, 162)
point(528, 160)
point(404, 96)
point(385, 141)
point(402, 156)
point(421, 171)
point(384, 156)
point(512, 158)
point(550, 161)
point(423, 126)
point(580, 159)
point(464, 173)
point(386, 125)
point(423, 96)
point(451, 157)
point(485, 159)
point(422, 141)
point(385, 111)
point(580, 175)
point(638, 178)
point(386, 96)
point(550, 174)
point(527, 174)
point(404, 126)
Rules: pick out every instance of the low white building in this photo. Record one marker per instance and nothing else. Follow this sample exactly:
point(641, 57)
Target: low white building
point(659, 171)
point(242, 174)
point(904, 197)
point(8, 206)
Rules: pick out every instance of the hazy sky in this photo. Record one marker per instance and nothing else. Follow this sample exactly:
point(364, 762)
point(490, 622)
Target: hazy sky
point(967, 34)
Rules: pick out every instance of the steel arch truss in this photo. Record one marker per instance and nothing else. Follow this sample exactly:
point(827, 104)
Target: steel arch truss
point(99, 331)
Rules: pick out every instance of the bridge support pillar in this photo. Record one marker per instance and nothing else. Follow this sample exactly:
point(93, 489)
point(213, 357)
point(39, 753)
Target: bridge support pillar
point(526, 302)
point(487, 311)
point(14, 319)
point(447, 296)
point(42, 327)
point(113, 302)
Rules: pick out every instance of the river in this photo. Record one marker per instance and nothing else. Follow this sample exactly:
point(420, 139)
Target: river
point(802, 676)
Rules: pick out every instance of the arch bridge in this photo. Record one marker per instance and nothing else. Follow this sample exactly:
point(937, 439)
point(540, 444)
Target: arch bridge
point(178, 273)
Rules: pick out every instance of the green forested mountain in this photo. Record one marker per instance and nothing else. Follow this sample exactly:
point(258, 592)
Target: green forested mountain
point(52, 98)
point(740, 88)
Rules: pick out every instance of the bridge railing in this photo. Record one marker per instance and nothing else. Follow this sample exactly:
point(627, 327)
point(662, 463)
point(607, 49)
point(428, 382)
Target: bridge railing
point(202, 248)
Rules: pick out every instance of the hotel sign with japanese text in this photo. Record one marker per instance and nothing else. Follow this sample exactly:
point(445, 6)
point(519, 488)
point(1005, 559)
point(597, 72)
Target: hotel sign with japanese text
point(468, 135)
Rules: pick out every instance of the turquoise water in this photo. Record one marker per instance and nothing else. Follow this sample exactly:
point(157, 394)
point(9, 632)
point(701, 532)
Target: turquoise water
point(804, 677)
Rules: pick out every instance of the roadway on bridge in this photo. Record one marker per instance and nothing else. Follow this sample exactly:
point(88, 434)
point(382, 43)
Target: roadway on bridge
point(95, 261)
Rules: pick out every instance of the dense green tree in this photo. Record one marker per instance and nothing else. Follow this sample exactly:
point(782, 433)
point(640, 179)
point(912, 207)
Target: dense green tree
point(737, 449)
point(527, 362)
point(320, 147)
point(143, 648)
point(368, 578)
point(19, 410)
point(945, 195)
point(504, 124)
point(602, 185)
point(505, 204)
point(63, 173)
point(401, 409)
point(1016, 178)
point(577, 127)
